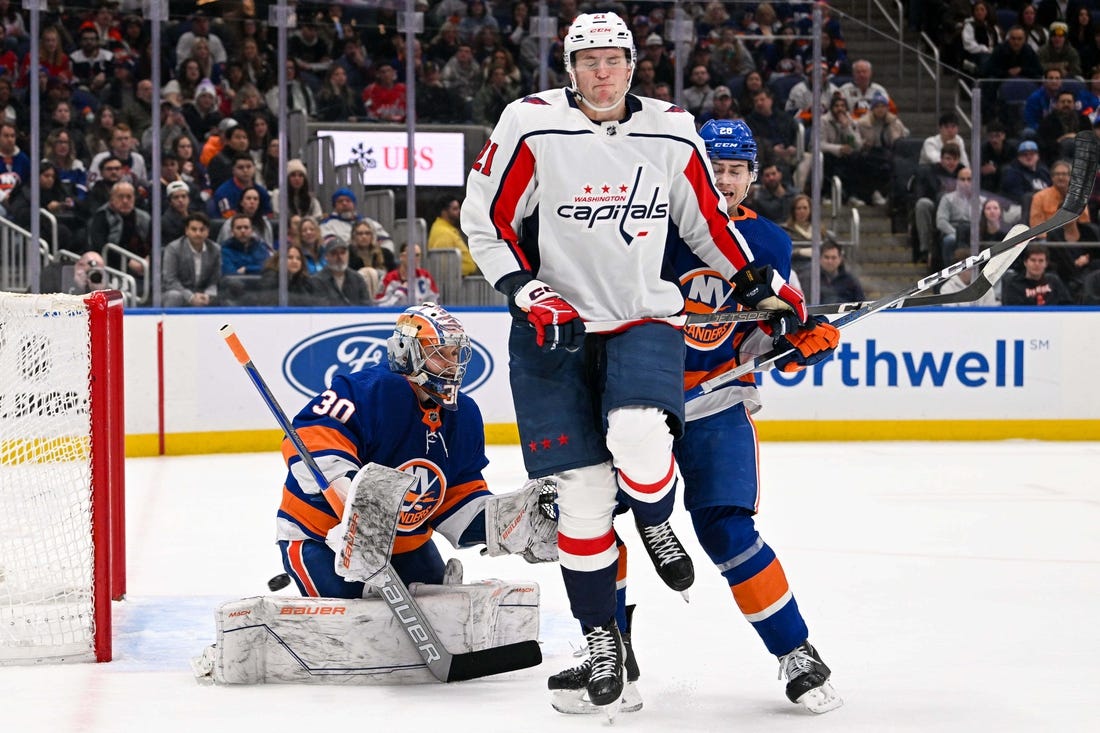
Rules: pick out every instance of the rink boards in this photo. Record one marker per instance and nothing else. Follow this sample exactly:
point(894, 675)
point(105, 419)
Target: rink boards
point(950, 374)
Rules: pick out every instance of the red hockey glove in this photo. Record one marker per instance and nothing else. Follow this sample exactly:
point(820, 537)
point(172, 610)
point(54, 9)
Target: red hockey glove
point(557, 324)
point(766, 288)
point(812, 343)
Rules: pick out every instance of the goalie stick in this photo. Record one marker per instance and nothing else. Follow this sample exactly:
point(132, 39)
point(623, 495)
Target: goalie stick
point(1086, 155)
point(444, 666)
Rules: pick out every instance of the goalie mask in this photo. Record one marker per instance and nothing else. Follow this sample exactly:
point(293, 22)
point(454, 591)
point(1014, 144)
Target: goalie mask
point(598, 30)
point(431, 349)
point(730, 140)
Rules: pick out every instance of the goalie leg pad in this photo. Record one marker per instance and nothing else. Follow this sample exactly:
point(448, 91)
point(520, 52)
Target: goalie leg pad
point(517, 523)
point(276, 639)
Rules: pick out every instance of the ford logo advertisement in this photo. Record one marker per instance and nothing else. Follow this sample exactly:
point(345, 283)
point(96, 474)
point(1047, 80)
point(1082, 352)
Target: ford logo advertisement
point(311, 364)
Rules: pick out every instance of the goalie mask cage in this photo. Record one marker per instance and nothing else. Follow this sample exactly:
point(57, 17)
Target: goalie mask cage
point(62, 442)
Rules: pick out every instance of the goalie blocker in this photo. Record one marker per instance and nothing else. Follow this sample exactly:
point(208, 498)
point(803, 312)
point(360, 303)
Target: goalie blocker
point(280, 639)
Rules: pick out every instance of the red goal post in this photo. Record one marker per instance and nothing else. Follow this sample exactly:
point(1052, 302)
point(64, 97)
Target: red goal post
point(62, 448)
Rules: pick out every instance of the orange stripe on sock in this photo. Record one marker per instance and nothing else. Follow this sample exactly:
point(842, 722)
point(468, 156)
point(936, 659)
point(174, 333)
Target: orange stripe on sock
point(294, 554)
point(620, 572)
point(761, 590)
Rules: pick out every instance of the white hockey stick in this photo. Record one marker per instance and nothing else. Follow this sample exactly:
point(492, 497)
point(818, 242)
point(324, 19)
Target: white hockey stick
point(1086, 155)
point(444, 666)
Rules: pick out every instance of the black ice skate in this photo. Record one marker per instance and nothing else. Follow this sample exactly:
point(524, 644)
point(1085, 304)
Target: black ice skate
point(569, 688)
point(669, 557)
point(808, 680)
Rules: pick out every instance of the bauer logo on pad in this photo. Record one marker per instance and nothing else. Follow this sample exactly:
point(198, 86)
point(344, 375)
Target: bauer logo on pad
point(310, 365)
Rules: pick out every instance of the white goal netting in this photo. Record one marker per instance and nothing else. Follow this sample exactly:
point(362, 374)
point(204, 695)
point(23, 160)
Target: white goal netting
point(46, 548)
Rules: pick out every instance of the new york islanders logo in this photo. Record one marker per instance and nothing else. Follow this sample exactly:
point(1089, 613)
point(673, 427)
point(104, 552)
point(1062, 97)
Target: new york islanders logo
point(704, 292)
point(425, 496)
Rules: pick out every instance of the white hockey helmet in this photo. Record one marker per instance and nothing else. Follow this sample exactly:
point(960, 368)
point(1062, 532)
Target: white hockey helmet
point(597, 30)
point(430, 348)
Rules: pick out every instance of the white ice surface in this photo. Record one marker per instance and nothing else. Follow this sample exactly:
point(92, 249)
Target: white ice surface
point(951, 587)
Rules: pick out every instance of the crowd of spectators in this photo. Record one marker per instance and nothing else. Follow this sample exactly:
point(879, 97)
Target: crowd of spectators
point(348, 62)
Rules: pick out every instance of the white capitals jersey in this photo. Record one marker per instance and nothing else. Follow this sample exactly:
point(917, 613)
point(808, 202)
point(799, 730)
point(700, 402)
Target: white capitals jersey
point(589, 207)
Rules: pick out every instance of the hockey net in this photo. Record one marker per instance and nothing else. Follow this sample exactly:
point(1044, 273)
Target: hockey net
point(61, 475)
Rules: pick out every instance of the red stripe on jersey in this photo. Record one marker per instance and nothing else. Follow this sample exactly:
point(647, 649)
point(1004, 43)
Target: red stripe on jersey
point(588, 547)
point(711, 208)
point(298, 567)
point(650, 488)
point(516, 178)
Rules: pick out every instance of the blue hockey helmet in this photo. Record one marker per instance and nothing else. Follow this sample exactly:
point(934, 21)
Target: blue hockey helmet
point(430, 348)
point(729, 140)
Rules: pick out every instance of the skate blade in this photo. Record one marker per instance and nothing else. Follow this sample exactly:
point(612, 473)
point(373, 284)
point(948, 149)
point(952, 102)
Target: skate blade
point(821, 699)
point(576, 702)
point(687, 598)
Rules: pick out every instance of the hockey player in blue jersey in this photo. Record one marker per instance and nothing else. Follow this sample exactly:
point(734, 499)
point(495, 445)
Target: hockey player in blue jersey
point(718, 452)
point(408, 415)
point(569, 208)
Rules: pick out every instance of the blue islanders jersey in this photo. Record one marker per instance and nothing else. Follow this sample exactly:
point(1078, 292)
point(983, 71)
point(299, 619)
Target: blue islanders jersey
point(374, 415)
point(713, 349)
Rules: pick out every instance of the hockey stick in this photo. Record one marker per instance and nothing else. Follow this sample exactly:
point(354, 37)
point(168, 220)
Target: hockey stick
point(986, 278)
point(444, 666)
point(1086, 155)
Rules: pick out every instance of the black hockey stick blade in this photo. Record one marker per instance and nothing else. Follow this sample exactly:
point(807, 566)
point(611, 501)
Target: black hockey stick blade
point(494, 660)
point(1086, 157)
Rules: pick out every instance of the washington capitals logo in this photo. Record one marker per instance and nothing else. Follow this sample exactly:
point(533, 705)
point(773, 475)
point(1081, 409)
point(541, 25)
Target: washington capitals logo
point(364, 155)
point(617, 202)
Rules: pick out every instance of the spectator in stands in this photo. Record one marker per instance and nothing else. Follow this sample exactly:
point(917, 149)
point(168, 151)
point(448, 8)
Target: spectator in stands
point(698, 94)
point(120, 222)
point(92, 66)
point(462, 77)
point(1058, 53)
point(662, 92)
point(953, 214)
point(775, 133)
point(799, 225)
point(1070, 263)
point(445, 232)
point(311, 54)
point(257, 67)
point(236, 143)
point(991, 225)
point(997, 155)
point(249, 205)
point(948, 132)
point(1035, 31)
point(15, 166)
point(729, 57)
point(1059, 128)
point(337, 102)
point(367, 258)
point(337, 283)
point(173, 220)
point(227, 197)
point(88, 274)
point(721, 107)
point(1035, 286)
point(645, 79)
point(842, 151)
point(98, 135)
point(11, 109)
point(861, 91)
point(298, 94)
point(493, 96)
point(930, 185)
point(476, 18)
point(444, 45)
point(1041, 102)
point(202, 113)
point(1026, 175)
point(963, 279)
point(344, 215)
point(395, 286)
point(655, 51)
point(434, 103)
point(384, 100)
point(980, 35)
point(1013, 59)
point(53, 62)
point(300, 199)
point(99, 193)
point(1082, 31)
point(312, 243)
point(301, 288)
point(772, 199)
point(879, 131)
point(243, 253)
point(801, 96)
point(191, 269)
point(191, 170)
point(752, 83)
point(133, 164)
point(52, 198)
point(70, 170)
point(200, 29)
point(837, 284)
point(170, 173)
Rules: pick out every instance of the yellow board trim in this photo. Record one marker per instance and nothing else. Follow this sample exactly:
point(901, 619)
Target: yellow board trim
point(259, 441)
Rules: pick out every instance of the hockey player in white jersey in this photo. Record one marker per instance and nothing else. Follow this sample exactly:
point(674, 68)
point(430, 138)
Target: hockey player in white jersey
point(570, 208)
point(718, 452)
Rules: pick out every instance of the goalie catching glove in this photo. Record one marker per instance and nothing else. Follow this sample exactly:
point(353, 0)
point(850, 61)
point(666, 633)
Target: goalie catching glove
point(809, 345)
point(766, 289)
point(557, 324)
point(524, 522)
